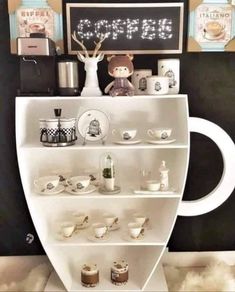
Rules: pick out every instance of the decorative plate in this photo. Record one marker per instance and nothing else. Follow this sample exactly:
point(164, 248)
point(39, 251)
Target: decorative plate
point(93, 125)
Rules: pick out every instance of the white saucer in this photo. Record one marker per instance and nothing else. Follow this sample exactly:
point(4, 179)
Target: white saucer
point(161, 142)
point(127, 142)
point(127, 237)
point(88, 190)
point(114, 227)
point(95, 239)
point(59, 189)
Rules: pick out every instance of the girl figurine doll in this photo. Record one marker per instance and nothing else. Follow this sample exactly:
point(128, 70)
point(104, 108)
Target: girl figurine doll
point(120, 67)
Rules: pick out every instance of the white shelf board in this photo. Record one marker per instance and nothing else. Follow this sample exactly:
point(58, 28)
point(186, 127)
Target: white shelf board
point(96, 195)
point(96, 146)
point(103, 97)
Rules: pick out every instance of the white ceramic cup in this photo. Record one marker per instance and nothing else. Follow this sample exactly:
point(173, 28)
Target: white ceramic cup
point(160, 133)
point(110, 219)
point(125, 134)
point(139, 80)
point(79, 182)
point(153, 185)
point(135, 229)
point(170, 68)
point(100, 229)
point(140, 219)
point(157, 85)
point(80, 218)
point(47, 183)
point(67, 228)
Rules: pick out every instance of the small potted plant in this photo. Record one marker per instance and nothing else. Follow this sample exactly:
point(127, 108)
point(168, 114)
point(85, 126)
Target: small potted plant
point(109, 173)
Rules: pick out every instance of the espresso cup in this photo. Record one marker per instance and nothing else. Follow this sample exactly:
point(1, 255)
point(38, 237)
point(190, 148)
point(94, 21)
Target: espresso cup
point(141, 219)
point(79, 182)
point(135, 230)
point(80, 218)
point(125, 134)
point(100, 229)
point(47, 183)
point(157, 85)
point(153, 185)
point(160, 133)
point(67, 228)
point(110, 219)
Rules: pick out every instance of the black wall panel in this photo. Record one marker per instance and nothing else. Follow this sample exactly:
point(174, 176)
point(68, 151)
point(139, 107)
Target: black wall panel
point(208, 79)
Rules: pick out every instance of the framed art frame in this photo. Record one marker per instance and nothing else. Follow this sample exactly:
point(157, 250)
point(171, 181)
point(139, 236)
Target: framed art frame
point(29, 16)
point(139, 28)
point(211, 26)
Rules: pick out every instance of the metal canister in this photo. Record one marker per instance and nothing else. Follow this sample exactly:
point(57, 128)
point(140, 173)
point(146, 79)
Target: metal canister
point(68, 84)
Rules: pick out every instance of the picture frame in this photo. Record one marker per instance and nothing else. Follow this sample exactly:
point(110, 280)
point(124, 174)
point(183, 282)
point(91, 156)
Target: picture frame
point(211, 26)
point(162, 18)
point(28, 16)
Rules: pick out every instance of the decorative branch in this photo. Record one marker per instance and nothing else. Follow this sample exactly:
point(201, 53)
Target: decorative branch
point(80, 43)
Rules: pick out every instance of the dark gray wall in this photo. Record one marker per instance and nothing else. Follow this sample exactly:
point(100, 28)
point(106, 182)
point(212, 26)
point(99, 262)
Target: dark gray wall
point(209, 80)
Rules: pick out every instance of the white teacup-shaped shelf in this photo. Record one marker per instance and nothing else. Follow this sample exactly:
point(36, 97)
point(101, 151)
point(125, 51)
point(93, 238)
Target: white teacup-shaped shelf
point(143, 256)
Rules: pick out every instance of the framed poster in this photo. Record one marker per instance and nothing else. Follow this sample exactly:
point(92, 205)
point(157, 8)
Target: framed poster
point(37, 16)
point(211, 26)
point(129, 28)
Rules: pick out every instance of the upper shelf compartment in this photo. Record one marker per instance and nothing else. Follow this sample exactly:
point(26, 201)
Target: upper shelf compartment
point(140, 112)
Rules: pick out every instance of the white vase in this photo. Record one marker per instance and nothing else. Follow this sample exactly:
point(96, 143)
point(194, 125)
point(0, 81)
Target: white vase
point(109, 184)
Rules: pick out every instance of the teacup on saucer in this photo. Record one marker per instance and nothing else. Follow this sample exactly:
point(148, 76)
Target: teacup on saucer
point(100, 230)
point(81, 219)
point(125, 134)
point(111, 221)
point(67, 228)
point(141, 219)
point(79, 182)
point(160, 133)
point(136, 230)
point(47, 183)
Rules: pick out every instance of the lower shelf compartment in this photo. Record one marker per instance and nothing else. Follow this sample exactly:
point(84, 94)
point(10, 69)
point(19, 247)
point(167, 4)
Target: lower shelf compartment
point(69, 262)
point(156, 284)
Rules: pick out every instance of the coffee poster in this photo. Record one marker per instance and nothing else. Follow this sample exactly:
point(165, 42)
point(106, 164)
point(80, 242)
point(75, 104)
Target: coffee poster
point(213, 23)
point(38, 20)
point(211, 26)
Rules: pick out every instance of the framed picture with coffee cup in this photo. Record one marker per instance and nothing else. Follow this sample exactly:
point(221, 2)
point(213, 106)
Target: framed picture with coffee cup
point(37, 16)
point(211, 26)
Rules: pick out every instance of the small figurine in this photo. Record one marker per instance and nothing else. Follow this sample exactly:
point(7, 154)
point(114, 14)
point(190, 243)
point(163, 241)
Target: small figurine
point(120, 67)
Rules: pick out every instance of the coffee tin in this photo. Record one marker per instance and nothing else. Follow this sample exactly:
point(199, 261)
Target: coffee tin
point(120, 273)
point(89, 275)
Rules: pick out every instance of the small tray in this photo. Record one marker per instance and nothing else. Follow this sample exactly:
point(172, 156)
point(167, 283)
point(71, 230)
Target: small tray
point(146, 192)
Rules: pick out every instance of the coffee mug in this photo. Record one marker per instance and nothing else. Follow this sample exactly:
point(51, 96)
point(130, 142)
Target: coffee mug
point(47, 183)
point(79, 182)
point(160, 133)
point(153, 185)
point(170, 68)
point(125, 134)
point(141, 219)
point(110, 219)
point(67, 228)
point(139, 80)
point(135, 230)
point(100, 229)
point(157, 85)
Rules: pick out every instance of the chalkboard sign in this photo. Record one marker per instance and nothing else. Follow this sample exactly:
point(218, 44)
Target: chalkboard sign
point(129, 28)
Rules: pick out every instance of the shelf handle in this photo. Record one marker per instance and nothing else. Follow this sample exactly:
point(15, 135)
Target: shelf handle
point(227, 183)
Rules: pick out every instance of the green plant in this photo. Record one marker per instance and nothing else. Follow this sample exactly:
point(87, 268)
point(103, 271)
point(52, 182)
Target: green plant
point(107, 173)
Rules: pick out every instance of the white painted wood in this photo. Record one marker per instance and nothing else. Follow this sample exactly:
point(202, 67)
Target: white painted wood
point(47, 212)
point(227, 183)
point(158, 281)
